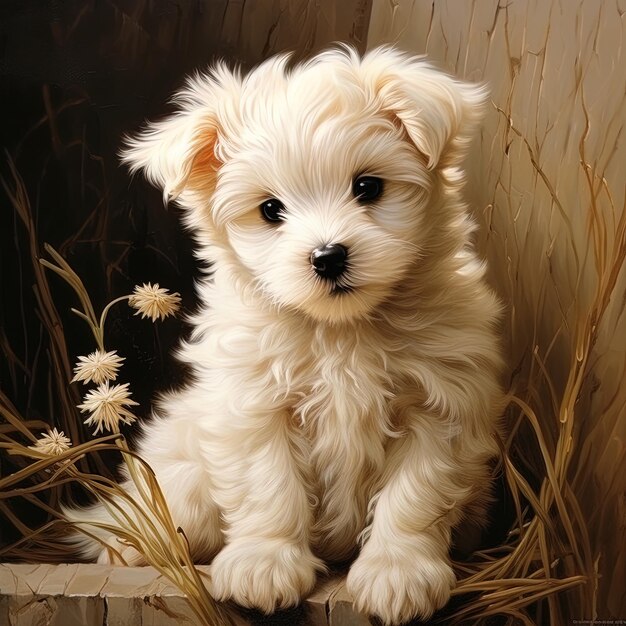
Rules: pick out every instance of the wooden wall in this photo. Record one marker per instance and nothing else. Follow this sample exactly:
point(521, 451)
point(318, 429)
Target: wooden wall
point(546, 179)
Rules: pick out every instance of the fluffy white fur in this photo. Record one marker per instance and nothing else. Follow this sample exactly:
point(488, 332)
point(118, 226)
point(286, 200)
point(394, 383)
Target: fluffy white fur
point(319, 421)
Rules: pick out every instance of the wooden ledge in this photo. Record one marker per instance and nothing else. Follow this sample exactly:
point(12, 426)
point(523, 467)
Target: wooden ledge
point(78, 594)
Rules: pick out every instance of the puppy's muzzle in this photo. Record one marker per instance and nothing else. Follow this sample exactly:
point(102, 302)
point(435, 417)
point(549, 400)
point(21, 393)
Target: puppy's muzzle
point(330, 261)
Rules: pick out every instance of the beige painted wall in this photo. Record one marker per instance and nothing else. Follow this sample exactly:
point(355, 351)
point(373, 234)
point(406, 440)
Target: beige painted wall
point(557, 75)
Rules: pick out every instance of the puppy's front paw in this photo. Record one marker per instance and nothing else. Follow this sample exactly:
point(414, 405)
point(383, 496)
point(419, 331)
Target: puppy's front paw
point(264, 574)
point(398, 589)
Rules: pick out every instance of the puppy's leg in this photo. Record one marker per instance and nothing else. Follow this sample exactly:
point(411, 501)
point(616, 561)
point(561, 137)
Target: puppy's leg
point(184, 486)
point(403, 569)
point(267, 562)
point(170, 446)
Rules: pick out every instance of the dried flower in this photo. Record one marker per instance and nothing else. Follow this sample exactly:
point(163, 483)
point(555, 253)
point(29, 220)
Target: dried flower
point(52, 443)
point(99, 366)
point(107, 407)
point(153, 301)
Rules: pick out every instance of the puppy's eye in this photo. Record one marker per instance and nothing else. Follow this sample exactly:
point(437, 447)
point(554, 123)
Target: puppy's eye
point(273, 210)
point(367, 188)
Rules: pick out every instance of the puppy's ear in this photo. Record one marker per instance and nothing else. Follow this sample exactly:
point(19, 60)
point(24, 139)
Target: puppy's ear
point(174, 151)
point(180, 151)
point(438, 112)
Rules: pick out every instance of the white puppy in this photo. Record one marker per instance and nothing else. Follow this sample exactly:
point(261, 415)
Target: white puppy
point(345, 351)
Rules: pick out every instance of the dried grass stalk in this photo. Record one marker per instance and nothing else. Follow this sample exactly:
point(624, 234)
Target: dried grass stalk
point(547, 570)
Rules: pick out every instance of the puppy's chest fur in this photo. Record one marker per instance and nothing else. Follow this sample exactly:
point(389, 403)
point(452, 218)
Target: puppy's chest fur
point(342, 390)
point(344, 378)
point(343, 409)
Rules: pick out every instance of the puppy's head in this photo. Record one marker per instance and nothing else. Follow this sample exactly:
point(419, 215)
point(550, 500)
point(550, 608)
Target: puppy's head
point(314, 185)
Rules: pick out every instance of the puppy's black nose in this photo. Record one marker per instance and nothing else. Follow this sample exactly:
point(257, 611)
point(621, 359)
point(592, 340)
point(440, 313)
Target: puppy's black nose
point(329, 261)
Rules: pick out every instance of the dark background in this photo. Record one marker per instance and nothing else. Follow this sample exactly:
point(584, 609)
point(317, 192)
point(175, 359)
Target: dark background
point(75, 76)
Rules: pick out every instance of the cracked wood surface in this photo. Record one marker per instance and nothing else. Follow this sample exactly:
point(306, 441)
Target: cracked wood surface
point(101, 595)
